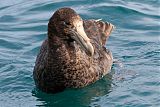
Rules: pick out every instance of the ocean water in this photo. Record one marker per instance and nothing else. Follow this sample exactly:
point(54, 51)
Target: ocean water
point(134, 80)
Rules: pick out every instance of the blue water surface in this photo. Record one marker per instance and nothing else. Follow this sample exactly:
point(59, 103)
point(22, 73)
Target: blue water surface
point(134, 80)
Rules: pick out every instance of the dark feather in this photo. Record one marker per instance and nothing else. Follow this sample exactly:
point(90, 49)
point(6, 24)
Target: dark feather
point(61, 65)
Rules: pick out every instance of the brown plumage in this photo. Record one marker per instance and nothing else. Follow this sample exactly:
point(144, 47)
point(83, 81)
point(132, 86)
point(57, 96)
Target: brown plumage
point(74, 54)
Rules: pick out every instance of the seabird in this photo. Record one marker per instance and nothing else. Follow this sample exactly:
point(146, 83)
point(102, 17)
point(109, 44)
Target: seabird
point(74, 54)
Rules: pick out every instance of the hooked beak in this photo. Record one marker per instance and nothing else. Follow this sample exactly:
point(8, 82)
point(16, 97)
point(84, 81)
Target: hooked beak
point(79, 35)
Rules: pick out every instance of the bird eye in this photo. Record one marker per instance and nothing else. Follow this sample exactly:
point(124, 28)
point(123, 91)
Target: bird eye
point(66, 23)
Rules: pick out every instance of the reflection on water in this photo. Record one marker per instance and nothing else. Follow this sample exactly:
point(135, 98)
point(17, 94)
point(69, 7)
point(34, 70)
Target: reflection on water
point(76, 97)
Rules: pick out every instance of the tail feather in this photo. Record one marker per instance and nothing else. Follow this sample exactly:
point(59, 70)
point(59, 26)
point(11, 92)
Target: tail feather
point(105, 28)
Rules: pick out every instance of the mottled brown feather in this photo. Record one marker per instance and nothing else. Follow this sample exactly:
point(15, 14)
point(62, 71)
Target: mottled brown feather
point(61, 65)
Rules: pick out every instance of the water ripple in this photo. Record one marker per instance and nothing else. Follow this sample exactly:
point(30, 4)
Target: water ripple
point(135, 43)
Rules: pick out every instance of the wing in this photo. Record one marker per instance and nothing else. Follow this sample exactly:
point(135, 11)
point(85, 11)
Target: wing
point(98, 30)
point(40, 62)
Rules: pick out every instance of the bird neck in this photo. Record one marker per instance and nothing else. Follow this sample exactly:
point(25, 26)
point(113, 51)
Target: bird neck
point(60, 50)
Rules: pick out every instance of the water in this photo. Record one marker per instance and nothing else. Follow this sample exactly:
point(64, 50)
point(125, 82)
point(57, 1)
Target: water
point(134, 80)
